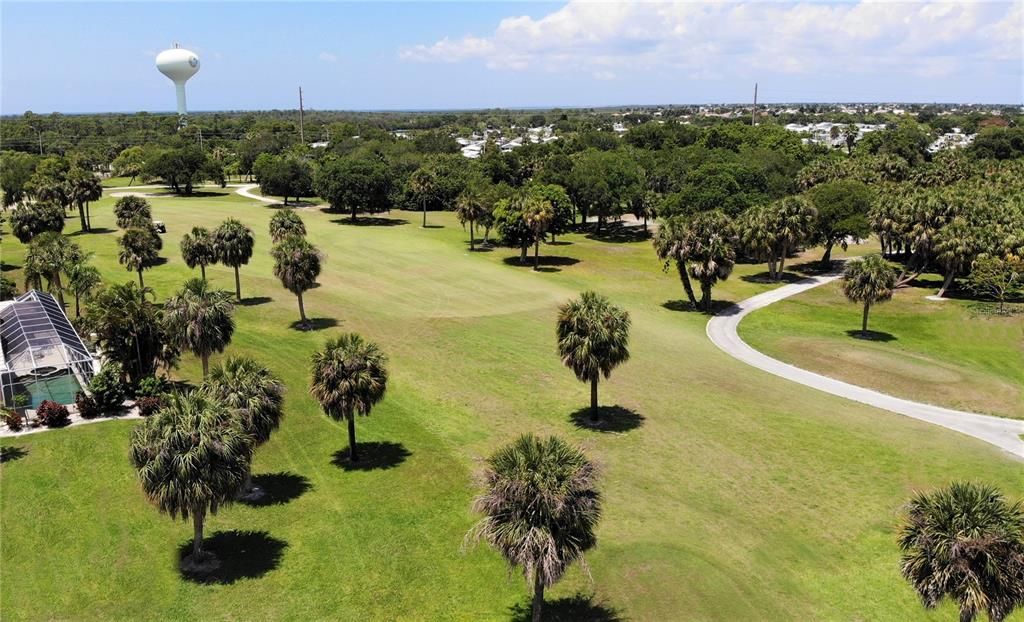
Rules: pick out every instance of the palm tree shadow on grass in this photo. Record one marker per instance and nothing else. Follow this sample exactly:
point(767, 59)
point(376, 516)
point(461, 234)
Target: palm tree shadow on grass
point(314, 323)
point(254, 301)
point(764, 277)
point(371, 221)
point(12, 453)
point(373, 456)
point(718, 307)
point(576, 608)
point(242, 555)
point(609, 419)
point(872, 335)
point(547, 261)
point(278, 488)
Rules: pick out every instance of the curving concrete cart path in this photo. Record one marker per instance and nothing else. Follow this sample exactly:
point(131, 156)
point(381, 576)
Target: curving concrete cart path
point(721, 329)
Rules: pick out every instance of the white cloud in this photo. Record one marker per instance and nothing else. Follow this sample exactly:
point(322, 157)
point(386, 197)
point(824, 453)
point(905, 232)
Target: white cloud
point(327, 57)
point(924, 38)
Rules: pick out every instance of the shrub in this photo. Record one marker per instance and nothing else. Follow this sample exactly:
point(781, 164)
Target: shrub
point(87, 406)
point(108, 389)
point(52, 415)
point(14, 420)
point(148, 405)
point(151, 386)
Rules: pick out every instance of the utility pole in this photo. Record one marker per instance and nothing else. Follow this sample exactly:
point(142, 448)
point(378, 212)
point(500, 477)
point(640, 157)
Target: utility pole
point(302, 135)
point(40, 135)
point(753, 113)
point(200, 139)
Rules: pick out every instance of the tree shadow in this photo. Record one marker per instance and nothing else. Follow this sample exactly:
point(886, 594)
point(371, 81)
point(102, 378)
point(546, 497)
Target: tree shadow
point(815, 267)
point(764, 277)
point(278, 488)
point(159, 261)
point(93, 231)
point(314, 323)
point(872, 335)
point(546, 261)
point(373, 456)
point(254, 301)
point(8, 267)
point(619, 234)
point(196, 194)
point(609, 419)
point(718, 307)
point(576, 608)
point(371, 221)
point(12, 453)
point(242, 555)
point(559, 243)
point(433, 227)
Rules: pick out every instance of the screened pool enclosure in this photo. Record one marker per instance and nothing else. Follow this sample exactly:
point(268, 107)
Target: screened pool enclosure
point(41, 355)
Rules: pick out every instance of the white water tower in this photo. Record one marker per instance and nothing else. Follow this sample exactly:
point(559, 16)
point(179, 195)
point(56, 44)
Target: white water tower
point(179, 65)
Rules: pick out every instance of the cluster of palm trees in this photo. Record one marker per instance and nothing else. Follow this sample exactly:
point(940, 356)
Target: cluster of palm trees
point(771, 232)
point(65, 267)
point(195, 454)
point(230, 244)
point(703, 247)
point(297, 263)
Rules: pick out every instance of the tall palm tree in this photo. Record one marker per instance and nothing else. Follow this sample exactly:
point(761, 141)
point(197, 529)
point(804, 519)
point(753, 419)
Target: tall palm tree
point(233, 242)
point(470, 208)
point(541, 508)
point(85, 188)
point(192, 457)
point(538, 214)
point(82, 280)
point(197, 249)
point(423, 182)
point(870, 281)
point(965, 542)
point(674, 243)
point(349, 376)
point(132, 211)
point(713, 253)
point(297, 263)
point(139, 250)
point(254, 393)
point(200, 319)
point(49, 255)
point(792, 223)
point(593, 339)
point(285, 223)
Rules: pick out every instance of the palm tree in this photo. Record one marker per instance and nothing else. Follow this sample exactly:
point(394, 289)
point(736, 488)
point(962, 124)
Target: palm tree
point(713, 251)
point(349, 377)
point(49, 255)
point(139, 250)
point(85, 188)
point(674, 243)
point(254, 393)
point(965, 542)
point(297, 263)
point(792, 221)
point(82, 280)
point(132, 211)
point(870, 280)
point(233, 243)
point(538, 214)
point(593, 339)
point(285, 223)
point(423, 182)
point(192, 457)
point(199, 319)
point(541, 507)
point(470, 208)
point(197, 249)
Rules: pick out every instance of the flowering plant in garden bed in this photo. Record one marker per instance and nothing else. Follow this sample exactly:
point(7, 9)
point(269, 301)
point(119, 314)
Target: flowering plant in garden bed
point(52, 415)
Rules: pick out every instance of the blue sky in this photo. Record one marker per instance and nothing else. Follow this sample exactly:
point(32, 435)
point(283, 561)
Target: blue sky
point(87, 57)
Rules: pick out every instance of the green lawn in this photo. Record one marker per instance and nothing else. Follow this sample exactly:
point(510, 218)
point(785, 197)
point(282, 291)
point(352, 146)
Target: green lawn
point(738, 495)
point(952, 353)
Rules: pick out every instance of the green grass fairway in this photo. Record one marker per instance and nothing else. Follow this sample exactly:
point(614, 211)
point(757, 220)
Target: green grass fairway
point(729, 494)
point(946, 353)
